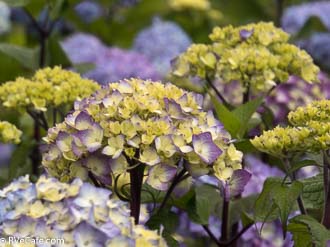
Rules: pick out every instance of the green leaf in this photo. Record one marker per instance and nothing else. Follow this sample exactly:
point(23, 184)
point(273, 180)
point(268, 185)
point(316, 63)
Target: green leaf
point(308, 232)
point(25, 56)
point(169, 221)
point(277, 200)
point(267, 117)
point(16, 3)
point(20, 162)
point(312, 25)
point(58, 8)
point(170, 240)
point(244, 114)
point(317, 157)
point(245, 146)
point(313, 192)
point(246, 219)
point(284, 197)
point(200, 207)
point(56, 55)
point(239, 207)
point(165, 218)
point(264, 210)
point(204, 206)
point(228, 119)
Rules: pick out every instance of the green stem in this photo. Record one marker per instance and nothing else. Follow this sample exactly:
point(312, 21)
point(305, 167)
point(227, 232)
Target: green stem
point(293, 178)
point(217, 92)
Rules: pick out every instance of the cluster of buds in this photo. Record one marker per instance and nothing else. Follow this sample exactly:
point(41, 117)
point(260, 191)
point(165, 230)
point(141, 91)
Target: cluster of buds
point(258, 56)
point(49, 87)
point(139, 122)
point(78, 213)
point(310, 132)
point(9, 133)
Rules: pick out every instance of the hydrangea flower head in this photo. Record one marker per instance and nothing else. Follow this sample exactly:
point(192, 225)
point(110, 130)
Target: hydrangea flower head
point(318, 46)
point(9, 133)
point(137, 121)
point(89, 11)
point(295, 17)
point(256, 55)
point(310, 131)
point(48, 87)
point(83, 48)
point(79, 213)
point(171, 40)
point(111, 63)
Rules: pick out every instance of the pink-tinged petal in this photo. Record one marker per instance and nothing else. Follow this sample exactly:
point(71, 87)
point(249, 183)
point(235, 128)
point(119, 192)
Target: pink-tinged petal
point(160, 176)
point(206, 149)
point(83, 121)
point(64, 141)
point(173, 109)
point(238, 181)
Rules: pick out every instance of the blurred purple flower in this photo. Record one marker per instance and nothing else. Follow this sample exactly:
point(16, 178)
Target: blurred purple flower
point(161, 42)
point(89, 11)
point(6, 151)
point(116, 64)
point(111, 63)
point(296, 92)
point(295, 17)
point(318, 46)
point(260, 172)
point(83, 48)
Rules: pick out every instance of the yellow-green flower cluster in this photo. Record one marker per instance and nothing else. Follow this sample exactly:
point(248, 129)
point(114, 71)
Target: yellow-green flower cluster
point(256, 55)
point(282, 141)
point(9, 133)
point(189, 4)
point(140, 121)
point(316, 111)
point(48, 87)
point(310, 131)
point(78, 213)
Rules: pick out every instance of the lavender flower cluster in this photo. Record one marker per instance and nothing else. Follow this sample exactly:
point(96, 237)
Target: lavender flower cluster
point(161, 43)
point(79, 213)
point(318, 46)
point(89, 11)
point(111, 64)
point(296, 16)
